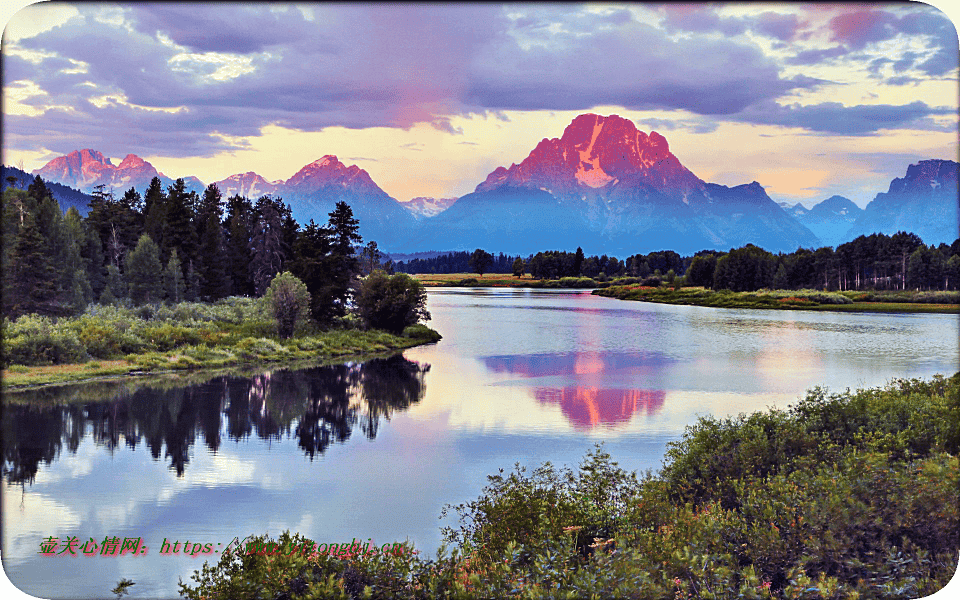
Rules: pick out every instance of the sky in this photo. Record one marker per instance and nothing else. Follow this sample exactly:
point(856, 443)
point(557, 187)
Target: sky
point(810, 100)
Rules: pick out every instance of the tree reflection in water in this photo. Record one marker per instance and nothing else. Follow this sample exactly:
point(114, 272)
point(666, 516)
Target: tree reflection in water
point(318, 406)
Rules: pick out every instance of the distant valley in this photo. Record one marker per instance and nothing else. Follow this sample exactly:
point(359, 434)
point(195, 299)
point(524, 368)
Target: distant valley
point(602, 185)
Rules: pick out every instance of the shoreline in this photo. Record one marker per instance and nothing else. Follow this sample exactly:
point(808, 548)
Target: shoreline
point(201, 359)
point(775, 300)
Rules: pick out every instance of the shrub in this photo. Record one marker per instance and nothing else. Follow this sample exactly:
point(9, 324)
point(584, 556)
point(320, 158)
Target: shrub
point(651, 281)
point(391, 302)
point(288, 302)
point(577, 282)
point(420, 332)
point(36, 340)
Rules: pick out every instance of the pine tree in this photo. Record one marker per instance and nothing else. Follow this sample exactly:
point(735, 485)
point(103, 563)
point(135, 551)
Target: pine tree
point(115, 287)
point(342, 231)
point(155, 211)
point(144, 272)
point(267, 246)
point(193, 283)
point(238, 245)
point(34, 278)
point(211, 267)
point(173, 282)
point(179, 230)
point(780, 281)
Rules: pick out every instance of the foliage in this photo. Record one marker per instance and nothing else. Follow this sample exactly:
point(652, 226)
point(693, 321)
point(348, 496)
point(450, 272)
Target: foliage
point(288, 302)
point(480, 261)
point(849, 495)
point(391, 302)
point(38, 340)
point(144, 272)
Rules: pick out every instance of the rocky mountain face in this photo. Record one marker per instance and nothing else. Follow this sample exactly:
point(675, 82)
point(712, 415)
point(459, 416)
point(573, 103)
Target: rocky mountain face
point(424, 208)
point(86, 169)
point(602, 185)
point(829, 220)
point(314, 191)
point(247, 184)
point(609, 188)
point(924, 202)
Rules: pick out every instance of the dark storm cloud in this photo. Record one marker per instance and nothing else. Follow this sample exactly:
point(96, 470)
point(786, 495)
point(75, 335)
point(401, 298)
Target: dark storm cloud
point(835, 118)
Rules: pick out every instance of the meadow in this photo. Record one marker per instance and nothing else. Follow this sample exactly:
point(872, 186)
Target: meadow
point(108, 340)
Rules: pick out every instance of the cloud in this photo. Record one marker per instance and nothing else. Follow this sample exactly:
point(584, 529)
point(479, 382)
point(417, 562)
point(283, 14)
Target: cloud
point(776, 25)
point(816, 56)
point(701, 19)
point(858, 28)
point(835, 118)
point(228, 70)
point(209, 27)
point(635, 66)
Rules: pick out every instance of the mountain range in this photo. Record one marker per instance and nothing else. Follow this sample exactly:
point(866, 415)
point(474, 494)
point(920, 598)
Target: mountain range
point(602, 185)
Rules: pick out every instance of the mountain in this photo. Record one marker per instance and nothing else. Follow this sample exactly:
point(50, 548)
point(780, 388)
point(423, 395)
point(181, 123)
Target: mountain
point(86, 169)
point(247, 184)
point(421, 207)
point(65, 196)
point(829, 220)
point(923, 202)
point(797, 210)
point(314, 191)
point(609, 188)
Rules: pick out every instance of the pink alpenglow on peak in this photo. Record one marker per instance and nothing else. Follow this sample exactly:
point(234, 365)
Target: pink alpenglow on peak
point(596, 152)
point(85, 169)
point(328, 171)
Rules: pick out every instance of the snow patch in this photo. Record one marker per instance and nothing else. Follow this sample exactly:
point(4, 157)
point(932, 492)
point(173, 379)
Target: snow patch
point(589, 172)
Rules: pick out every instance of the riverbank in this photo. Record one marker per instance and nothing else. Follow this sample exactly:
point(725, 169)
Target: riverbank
point(119, 342)
point(884, 302)
point(848, 495)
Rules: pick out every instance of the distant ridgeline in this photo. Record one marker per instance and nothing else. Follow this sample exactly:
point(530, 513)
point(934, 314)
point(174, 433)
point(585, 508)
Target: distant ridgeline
point(66, 196)
point(603, 185)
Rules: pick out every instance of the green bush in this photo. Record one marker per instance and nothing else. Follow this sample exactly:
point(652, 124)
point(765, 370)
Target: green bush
point(420, 332)
point(577, 282)
point(391, 302)
point(288, 302)
point(37, 340)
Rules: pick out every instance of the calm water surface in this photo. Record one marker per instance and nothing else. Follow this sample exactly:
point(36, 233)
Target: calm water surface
point(374, 450)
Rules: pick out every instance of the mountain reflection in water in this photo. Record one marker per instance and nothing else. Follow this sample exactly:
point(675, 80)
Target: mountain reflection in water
point(588, 402)
point(317, 406)
point(589, 407)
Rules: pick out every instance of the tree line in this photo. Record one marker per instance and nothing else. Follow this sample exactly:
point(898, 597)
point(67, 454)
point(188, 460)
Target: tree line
point(869, 262)
point(171, 245)
point(455, 262)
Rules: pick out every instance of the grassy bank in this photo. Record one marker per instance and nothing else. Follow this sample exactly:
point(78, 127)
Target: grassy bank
point(504, 280)
point(931, 302)
point(842, 496)
point(109, 341)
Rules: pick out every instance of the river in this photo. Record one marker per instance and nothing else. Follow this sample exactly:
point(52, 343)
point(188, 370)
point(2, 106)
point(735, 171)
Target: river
point(373, 451)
